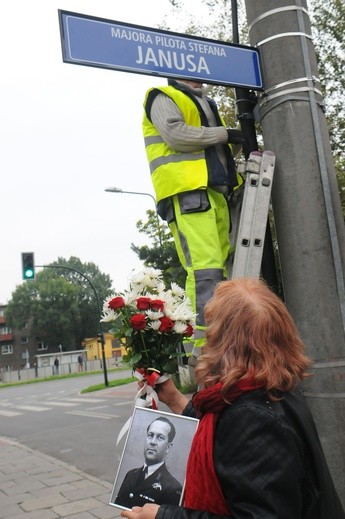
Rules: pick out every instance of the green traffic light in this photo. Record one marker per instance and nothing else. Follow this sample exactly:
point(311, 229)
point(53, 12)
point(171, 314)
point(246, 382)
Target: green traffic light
point(28, 265)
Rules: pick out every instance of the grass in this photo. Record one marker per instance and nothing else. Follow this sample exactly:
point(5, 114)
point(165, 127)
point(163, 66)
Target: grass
point(112, 383)
point(59, 377)
point(186, 389)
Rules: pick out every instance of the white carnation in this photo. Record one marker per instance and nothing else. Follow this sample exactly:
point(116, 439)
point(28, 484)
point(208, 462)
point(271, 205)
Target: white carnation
point(179, 327)
point(148, 279)
point(181, 312)
point(109, 315)
point(177, 291)
point(155, 325)
point(154, 315)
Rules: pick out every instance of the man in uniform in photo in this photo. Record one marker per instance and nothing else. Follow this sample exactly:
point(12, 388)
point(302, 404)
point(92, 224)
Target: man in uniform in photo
point(152, 482)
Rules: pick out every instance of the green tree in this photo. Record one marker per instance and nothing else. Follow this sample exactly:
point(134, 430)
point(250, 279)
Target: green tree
point(328, 27)
point(161, 254)
point(328, 17)
point(60, 304)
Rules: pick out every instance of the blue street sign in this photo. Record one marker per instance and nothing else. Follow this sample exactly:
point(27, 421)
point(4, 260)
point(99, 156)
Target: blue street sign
point(97, 42)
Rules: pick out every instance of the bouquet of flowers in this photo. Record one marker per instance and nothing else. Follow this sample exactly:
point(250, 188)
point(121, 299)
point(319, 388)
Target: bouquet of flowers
point(151, 321)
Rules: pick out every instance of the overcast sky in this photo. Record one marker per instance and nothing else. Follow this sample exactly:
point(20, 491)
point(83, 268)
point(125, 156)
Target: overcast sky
point(66, 133)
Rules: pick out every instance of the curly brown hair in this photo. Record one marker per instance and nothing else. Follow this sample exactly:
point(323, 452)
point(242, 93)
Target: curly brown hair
point(249, 332)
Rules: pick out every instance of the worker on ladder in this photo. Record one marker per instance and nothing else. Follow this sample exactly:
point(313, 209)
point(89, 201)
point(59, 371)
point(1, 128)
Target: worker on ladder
point(190, 153)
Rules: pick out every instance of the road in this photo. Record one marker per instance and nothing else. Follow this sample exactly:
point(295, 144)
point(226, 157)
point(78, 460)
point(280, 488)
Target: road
point(54, 418)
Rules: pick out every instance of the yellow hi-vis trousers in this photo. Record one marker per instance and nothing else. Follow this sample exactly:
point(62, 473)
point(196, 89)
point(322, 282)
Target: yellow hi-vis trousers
point(201, 229)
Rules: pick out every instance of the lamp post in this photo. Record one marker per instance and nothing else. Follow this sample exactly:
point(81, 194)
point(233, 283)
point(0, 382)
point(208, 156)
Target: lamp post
point(118, 190)
point(99, 335)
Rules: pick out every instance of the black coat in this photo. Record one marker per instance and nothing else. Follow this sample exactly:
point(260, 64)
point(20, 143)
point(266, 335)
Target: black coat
point(269, 462)
point(160, 487)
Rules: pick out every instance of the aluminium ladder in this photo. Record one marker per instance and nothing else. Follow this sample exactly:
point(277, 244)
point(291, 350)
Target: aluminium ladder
point(249, 216)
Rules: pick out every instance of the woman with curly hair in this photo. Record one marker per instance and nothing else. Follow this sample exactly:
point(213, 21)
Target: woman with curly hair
point(256, 453)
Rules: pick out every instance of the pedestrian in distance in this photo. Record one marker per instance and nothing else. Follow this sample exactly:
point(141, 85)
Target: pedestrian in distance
point(256, 453)
point(80, 363)
point(152, 482)
point(190, 154)
point(56, 366)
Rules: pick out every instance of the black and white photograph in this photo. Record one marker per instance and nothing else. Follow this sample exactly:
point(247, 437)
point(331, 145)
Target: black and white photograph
point(152, 468)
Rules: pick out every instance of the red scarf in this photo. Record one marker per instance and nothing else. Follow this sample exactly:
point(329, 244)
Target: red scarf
point(203, 490)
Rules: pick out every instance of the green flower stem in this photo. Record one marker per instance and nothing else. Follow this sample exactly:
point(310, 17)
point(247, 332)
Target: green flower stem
point(126, 316)
point(144, 345)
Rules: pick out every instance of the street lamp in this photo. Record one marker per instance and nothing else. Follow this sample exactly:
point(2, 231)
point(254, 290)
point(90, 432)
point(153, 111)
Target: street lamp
point(118, 190)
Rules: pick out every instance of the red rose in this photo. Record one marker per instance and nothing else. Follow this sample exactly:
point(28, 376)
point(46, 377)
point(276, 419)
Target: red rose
point(116, 303)
point(157, 304)
point(138, 321)
point(143, 303)
point(166, 324)
point(189, 331)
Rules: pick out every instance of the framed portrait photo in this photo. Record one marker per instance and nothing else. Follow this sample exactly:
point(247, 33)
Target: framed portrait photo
point(153, 464)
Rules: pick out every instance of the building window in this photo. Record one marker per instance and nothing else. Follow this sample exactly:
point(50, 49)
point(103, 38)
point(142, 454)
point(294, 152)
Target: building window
point(6, 349)
point(24, 340)
point(5, 329)
point(41, 346)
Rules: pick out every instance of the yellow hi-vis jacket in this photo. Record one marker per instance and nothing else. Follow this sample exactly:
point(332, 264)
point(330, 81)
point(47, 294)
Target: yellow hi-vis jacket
point(175, 172)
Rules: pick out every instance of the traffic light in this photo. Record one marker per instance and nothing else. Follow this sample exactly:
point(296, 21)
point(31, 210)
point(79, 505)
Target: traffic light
point(28, 265)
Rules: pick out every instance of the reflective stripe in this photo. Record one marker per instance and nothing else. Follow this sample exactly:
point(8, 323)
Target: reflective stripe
point(205, 283)
point(153, 139)
point(168, 159)
point(185, 248)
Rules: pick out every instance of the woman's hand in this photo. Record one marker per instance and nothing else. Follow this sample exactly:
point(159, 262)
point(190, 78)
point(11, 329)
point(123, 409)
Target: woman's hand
point(148, 511)
point(169, 394)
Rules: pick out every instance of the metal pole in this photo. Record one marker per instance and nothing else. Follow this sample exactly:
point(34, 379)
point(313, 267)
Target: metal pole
point(245, 101)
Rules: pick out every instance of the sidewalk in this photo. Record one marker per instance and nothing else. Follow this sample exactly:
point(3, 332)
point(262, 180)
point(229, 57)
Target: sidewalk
point(37, 486)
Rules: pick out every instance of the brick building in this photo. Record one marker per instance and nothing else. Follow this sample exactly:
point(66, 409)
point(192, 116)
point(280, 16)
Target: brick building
point(18, 349)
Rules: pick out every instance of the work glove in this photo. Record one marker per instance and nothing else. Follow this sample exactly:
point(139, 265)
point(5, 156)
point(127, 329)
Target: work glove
point(236, 137)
